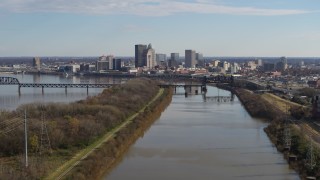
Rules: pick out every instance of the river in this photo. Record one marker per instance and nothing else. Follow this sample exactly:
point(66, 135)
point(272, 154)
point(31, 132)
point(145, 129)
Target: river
point(191, 140)
point(194, 139)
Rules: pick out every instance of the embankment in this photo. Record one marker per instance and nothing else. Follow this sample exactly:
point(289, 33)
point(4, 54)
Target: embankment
point(102, 160)
point(299, 154)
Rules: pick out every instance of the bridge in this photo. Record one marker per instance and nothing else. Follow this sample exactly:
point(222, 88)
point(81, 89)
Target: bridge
point(15, 81)
point(202, 86)
point(204, 79)
point(218, 98)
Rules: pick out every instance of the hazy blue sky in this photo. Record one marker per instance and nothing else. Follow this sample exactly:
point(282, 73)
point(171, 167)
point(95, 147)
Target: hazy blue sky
point(213, 27)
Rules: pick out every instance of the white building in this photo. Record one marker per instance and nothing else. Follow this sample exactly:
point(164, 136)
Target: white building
point(150, 57)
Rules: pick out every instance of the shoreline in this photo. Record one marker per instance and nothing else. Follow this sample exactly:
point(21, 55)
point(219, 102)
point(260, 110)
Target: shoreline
point(296, 157)
point(109, 140)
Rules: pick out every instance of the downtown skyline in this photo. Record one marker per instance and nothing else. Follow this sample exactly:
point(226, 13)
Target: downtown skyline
point(214, 28)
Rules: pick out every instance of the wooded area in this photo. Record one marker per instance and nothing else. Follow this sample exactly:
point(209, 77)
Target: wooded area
point(70, 127)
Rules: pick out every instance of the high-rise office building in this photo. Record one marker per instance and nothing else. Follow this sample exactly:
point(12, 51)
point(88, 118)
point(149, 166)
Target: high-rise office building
point(140, 51)
point(117, 64)
point(150, 57)
point(199, 59)
point(161, 59)
point(190, 58)
point(145, 56)
point(173, 62)
point(37, 63)
point(110, 61)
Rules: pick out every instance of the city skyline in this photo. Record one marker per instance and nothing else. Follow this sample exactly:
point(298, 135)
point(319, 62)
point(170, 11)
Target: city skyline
point(214, 28)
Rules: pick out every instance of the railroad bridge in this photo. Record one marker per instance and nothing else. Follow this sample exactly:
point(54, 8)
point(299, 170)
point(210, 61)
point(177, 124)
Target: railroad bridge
point(204, 80)
point(15, 81)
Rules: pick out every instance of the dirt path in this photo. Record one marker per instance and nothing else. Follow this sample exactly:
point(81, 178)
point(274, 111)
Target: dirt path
point(70, 164)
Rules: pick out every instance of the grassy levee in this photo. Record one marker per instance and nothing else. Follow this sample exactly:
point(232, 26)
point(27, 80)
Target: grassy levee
point(69, 165)
point(274, 109)
point(282, 104)
point(101, 161)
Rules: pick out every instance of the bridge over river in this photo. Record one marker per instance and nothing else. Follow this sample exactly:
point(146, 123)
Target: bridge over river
point(15, 81)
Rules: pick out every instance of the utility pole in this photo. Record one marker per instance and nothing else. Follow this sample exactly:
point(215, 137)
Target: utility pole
point(26, 138)
point(311, 162)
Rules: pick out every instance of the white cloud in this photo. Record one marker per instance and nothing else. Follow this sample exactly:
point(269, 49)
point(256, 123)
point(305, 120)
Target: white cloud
point(138, 7)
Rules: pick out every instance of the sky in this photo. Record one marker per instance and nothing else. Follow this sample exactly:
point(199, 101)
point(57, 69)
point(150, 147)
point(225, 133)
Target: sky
point(112, 27)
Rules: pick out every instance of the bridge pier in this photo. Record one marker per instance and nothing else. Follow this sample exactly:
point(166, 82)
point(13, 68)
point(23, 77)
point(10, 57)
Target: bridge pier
point(204, 88)
point(65, 89)
point(42, 90)
point(87, 90)
point(19, 90)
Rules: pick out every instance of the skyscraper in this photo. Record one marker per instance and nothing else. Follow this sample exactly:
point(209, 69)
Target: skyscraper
point(110, 61)
point(150, 56)
point(145, 56)
point(190, 58)
point(174, 60)
point(199, 59)
point(37, 63)
point(161, 59)
point(140, 55)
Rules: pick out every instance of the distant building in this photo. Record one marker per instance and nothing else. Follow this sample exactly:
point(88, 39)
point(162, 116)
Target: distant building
point(103, 58)
point(259, 62)
point(199, 59)
point(215, 63)
point(110, 60)
point(268, 67)
point(37, 63)
point(226, 65)
point(104, 63)
point(282, 65)
point(251, 65)
point(117, 64)
point(69, 68)
point(190, 58)
point(150, 57)
point(161, 59)
point(87, 67)
point(145, 56)
point(234, 68)
point(140, 55)
point(173, 62)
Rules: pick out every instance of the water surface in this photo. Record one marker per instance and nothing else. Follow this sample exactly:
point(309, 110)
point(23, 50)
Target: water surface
point(203, 140)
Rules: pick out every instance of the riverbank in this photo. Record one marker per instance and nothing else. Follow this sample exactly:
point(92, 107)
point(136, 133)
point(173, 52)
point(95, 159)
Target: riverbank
point(298, 155)
point(70, 128)
point(105, 158)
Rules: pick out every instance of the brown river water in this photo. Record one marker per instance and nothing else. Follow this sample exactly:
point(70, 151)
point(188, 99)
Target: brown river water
point(194, 139)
